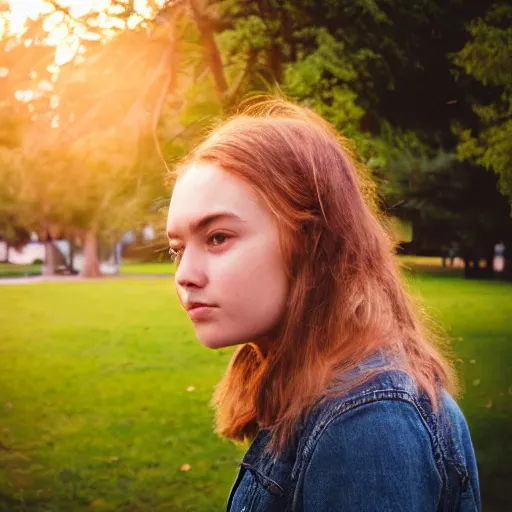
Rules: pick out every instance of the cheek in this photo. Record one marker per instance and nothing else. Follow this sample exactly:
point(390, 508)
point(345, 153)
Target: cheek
point(253, 281)
point(177, 291)
point(251, 288)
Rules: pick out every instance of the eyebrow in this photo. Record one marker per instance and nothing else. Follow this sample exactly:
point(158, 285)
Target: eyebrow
point(204, 222)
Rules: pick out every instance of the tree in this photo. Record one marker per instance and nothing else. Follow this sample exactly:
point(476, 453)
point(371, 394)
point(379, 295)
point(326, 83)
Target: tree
point(12, 229)
point(488, 58)
point(79, 168)
point(449, 202)
point(146, 82)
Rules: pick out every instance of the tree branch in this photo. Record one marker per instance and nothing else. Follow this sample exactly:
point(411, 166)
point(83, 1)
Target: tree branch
point(212, 50)
point(252, 57)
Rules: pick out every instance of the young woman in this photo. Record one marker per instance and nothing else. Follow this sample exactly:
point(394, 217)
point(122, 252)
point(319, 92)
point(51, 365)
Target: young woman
point(336, 382)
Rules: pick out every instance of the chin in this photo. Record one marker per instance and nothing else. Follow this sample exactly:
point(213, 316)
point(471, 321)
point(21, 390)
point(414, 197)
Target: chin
point(216, 341)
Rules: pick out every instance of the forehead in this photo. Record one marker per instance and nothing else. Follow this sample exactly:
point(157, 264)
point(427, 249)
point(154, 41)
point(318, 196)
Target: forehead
point(205, 189)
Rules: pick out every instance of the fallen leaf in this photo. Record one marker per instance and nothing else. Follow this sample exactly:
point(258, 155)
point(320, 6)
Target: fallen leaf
point(186, 467)
point(488, 405)
point(113, 459)
point(99, 504)
point(473, 361)
point(8, 405)
point(476, 382)
point(191, 388)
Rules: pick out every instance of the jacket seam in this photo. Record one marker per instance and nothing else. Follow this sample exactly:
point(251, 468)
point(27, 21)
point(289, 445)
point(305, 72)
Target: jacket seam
point(273, 486)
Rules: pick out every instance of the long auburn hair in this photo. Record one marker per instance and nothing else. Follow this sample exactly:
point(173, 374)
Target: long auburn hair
point(346, 296)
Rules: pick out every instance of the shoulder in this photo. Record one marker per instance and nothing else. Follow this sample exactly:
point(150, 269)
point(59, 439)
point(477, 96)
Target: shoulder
point(383, 417)
point(387, 394)
point(376, 454)
point(383, 427)
point(385, 408)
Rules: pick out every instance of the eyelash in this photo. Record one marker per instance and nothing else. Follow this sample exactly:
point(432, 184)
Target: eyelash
point(176, 253)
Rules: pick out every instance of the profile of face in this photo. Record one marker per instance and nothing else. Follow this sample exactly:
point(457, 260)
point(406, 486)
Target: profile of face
point(230, 275)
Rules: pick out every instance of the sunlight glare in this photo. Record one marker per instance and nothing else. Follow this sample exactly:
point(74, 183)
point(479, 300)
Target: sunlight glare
point(63, 33)
point(25, 96)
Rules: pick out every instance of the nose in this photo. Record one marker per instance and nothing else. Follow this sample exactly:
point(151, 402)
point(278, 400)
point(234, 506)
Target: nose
point(190, 272)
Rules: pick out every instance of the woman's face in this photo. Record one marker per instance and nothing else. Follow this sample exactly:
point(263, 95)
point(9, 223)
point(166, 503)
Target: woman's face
point(230, 273)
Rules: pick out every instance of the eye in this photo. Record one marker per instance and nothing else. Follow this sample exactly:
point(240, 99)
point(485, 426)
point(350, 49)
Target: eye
point(218, 239)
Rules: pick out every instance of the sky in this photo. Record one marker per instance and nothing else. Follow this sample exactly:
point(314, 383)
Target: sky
point(62, 33)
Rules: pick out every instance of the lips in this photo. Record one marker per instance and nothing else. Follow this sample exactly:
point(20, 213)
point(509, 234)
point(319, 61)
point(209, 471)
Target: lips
point(190, 306)
point(200, 311)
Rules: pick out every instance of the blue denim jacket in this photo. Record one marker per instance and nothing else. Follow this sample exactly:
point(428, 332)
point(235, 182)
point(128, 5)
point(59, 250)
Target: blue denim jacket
point(379, 447)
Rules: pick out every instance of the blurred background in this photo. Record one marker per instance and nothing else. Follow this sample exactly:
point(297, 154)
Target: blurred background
point(104, 391)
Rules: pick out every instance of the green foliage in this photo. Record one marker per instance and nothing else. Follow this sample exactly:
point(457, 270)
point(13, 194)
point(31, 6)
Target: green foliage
point(448, 202)
point(248, 33)
point(488, 58)
point(92, 186)
point(89, 162)
point(10, 208)
point(487, 55)
point(322, 81)
point(13, 121)
point(402, 162)
point(379, 73)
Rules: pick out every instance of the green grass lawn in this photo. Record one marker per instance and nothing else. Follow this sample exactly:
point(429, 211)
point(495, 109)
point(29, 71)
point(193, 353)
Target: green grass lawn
point(477, 316)
point(10, 270)
point(148, 268)
point(97, 411)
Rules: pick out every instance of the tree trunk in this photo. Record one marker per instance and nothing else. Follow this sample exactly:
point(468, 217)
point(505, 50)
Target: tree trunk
point(50, 258)
point(287, 34)
point(6, 259)
point(469, 270)
point(91, 266)
point(71, 255)
point(274, 62)
point(212, 51)
point(507, 271)
point(274, 51)
point(489, 266)
point(476, 268)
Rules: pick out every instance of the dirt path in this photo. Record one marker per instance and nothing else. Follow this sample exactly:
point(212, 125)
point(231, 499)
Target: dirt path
point(75, 279)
